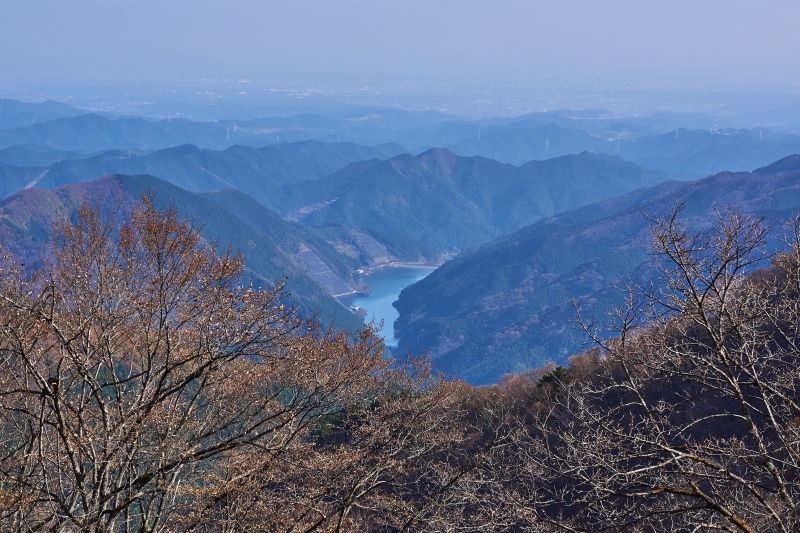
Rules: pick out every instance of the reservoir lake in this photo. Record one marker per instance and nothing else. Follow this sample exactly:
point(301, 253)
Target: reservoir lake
point(386, 285)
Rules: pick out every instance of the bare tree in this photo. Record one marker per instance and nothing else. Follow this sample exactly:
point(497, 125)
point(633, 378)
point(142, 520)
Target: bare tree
point(689, 418)
point(389, 461)
point(143, 388)
point(135, 370)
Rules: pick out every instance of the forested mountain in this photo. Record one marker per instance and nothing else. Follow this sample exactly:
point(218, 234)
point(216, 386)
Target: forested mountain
point(256, 171)
point(676, 142)
point(787, 164)
point(505, 306)
point(291, 238)
point(272, 247)
point(16, 114)
point(436, 203)
point(351, 205)
point(93, 133)
point(14, 178)
point(422, 208)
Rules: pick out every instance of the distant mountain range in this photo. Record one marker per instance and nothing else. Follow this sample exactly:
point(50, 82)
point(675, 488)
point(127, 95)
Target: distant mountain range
point(600, 124)
point(256, 171)
point(94, 133)
point(56, 126)
point(561, 191)
point(274, 249)
point(519, 143)
point(16, 114)
point(504, 307)
point(698, 152)
point(40, 134)
point(702, 151)
point(405, 208)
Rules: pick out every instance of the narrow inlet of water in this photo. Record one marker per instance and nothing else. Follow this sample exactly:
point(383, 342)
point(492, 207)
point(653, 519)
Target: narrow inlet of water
point(385, 285)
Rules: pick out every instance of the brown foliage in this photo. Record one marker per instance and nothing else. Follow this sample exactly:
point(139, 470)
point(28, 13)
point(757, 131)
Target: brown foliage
point(142, 388)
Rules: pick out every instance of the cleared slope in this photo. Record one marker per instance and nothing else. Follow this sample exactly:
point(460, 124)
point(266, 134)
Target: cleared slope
point(14, 178)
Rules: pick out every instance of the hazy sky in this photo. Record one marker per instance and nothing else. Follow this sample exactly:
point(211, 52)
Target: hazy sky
point(634, 40)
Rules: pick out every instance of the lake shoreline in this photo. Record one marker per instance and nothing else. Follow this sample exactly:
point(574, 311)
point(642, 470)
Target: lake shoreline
point(385, 284)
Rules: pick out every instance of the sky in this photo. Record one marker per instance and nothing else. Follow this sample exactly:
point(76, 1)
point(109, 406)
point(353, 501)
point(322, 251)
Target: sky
point(619, 41)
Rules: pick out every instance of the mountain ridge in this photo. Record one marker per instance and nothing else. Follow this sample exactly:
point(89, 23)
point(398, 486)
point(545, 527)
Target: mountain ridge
point(254, 170)
point(26, 220)
point(427, 206)
point(507, 301)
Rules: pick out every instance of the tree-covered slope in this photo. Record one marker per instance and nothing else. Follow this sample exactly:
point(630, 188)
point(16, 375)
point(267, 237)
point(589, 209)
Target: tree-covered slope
point(505, 306)
point(28, 155)
point(425, 206)
point(289, 237)
point(14, 178)
point(256, 171)
point(26, 220)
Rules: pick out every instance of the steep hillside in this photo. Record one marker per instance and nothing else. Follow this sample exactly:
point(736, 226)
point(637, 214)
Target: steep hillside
point(26, 220)
point(505, 306)
point(14, 178)
point(291, 238)
point(436, 203)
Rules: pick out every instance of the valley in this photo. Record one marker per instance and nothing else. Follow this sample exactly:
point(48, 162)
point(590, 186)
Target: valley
point(513, 216)
point(385, 286)
point(400, 267)
point(513, 298)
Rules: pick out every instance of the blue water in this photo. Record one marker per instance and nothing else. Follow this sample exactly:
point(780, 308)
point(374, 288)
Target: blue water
point(386, 285)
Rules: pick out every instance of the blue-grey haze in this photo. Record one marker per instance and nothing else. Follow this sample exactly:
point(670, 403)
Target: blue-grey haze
point(635, 41)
